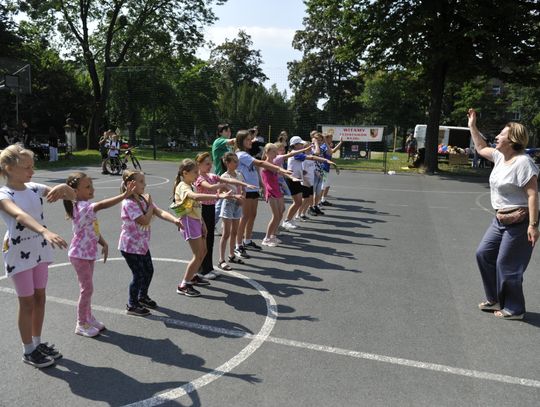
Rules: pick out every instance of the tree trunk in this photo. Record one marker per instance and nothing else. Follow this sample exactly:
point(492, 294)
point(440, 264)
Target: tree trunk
point(96, 125)
point(438, 77)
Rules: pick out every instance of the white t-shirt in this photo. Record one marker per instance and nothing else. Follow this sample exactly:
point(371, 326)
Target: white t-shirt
point(507, 181)
point(116, 151)
point(309, 167)
point(248, 169)
point(294, 164)
point(23, 248)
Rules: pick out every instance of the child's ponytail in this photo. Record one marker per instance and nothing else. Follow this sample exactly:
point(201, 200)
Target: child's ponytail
point(73, 181)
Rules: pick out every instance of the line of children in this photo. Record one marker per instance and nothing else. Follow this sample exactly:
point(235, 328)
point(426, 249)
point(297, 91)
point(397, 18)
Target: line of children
point(296, 164)
point(248, 168)
point(27, 244)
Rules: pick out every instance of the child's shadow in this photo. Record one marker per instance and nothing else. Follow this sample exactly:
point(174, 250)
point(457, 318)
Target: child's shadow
point(253, 304)
point(163, 351)
point(198, 325)
point(109, 385)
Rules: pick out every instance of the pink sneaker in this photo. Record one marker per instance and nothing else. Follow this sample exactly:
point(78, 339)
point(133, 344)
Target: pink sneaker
point(100, 326)
point(86, 330)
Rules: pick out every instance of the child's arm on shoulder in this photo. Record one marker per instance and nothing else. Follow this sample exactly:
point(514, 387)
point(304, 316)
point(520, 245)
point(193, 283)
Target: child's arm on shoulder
point(213, 187)
point(207, 197)
point(104, 248)
point(160, 213)
point(294, 152)
point(60, 191)
point(108, 202)
point(234, 181)
point(145, 218)
point(25, 219)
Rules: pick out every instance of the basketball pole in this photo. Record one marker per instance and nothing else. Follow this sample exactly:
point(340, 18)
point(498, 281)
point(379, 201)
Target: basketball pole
point(17, 106)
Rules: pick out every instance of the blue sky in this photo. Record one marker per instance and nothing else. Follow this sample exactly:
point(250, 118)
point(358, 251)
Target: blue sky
point(271, 25)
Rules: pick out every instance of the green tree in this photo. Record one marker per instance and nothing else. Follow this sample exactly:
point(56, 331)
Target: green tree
point(237, 65)
point(394, 98)
point(320, 75)
point(444, 39)
point(105, 35)
point(525, 105)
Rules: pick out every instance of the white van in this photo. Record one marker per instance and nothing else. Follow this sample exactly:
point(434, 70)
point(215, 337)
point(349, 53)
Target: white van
point(448, 135)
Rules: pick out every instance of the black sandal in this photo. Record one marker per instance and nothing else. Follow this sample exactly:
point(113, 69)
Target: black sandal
point(224, 266)
point(237, 260)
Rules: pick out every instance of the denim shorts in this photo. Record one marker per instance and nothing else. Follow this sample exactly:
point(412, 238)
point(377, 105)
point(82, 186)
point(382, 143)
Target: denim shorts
point(231, 209)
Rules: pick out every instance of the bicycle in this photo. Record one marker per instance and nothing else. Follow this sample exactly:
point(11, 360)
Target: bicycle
point(115, 165)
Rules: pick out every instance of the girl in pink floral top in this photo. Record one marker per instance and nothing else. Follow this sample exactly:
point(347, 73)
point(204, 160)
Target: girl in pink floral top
point(137, 212)
point(83, 248)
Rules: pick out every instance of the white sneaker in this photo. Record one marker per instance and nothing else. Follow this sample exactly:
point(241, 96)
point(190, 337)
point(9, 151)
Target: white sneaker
point(212, 275)
point(100, 326)
point(268, 242)
point(293, 222)
point(289, 225)
point(275, 240)
point(86, 330)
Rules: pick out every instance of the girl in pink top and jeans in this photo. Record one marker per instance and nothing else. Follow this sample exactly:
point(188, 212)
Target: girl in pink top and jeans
point(83, 248)
point(137, 212)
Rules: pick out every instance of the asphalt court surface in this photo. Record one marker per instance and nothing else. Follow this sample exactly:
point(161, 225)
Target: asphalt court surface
point(373, 304)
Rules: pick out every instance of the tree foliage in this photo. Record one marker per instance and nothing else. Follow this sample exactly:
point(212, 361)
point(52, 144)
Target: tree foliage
point(105, 35)
point(320, 75)
point(444, 39)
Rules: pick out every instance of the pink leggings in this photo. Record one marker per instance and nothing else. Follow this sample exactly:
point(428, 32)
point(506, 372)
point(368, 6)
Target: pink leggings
point(27, 281)
point(85, 272)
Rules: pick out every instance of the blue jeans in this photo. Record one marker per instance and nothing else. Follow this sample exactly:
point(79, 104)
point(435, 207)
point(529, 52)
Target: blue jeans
point(142, 269)
point(503, 256)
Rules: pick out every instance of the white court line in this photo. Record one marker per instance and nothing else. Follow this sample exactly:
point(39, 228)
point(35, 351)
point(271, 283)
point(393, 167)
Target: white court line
point(477, 201)
point(264, 335)
point(476, 374)
point(403, 190)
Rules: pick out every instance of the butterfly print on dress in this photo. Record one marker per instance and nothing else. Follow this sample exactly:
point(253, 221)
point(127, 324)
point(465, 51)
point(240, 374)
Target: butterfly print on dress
point(19, 227)
point(15, 241)
point(38, 259)
point(35, 189)
point(10, 268)
point(44, 243)
point(25, 255)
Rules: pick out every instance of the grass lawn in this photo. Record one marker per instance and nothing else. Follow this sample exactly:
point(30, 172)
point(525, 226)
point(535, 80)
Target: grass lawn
point(395, 162)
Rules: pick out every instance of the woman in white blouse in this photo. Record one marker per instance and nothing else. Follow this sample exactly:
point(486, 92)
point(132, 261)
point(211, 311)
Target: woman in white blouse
point(506, 248)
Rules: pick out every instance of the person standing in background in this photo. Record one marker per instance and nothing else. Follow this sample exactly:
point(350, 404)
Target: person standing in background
point(26, 136)
point(53, 144)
